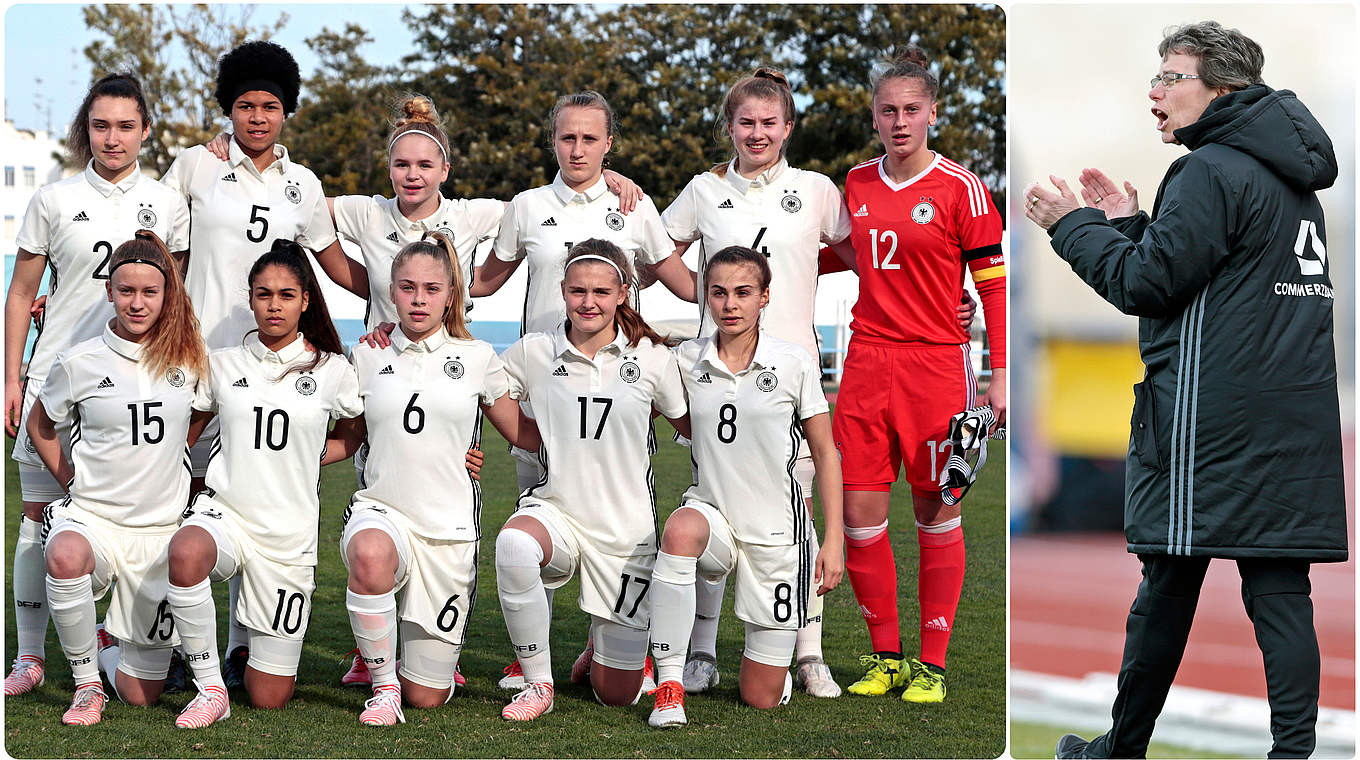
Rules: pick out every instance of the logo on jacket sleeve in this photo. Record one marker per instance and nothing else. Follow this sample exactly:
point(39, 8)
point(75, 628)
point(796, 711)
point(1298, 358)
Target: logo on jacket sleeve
point(1308, 249)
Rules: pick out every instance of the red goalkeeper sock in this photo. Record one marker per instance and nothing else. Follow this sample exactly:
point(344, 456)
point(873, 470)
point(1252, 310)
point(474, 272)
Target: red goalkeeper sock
point(939, 586)
point(873, 576)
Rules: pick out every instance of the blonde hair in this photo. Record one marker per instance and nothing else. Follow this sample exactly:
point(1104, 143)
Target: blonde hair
point(174, 341)
point(764, 83)
point(439, 247)
point(416, 113)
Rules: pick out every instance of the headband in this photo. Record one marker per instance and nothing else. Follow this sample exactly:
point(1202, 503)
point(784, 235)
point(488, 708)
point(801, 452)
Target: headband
point(595, 257)
point(263, 85)
point(148, 262)
point(418, 132)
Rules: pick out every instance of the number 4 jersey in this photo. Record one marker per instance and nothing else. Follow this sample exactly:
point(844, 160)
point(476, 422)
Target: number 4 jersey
point(266, 465)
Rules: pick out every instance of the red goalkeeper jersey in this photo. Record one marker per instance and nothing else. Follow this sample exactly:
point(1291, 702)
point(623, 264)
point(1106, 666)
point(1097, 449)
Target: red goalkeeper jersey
point(912, 242)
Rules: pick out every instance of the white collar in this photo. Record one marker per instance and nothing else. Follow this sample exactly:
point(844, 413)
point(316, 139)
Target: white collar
point(429, 344)
point(106, 187)
point(286, 355)
point(125, 348)
point(567, 195)
point(883, 172)
point(238, 157)
point(420, 225)
point(760, 360)
point(563, 347)
point(763, 179)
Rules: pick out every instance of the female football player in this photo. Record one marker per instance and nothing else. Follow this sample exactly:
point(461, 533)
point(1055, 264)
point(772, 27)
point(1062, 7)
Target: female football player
point(72, 225)
point(274, 394)
point(130, 391)
point(919, 220)
point(753, 399)
point(424, 396)
point(593, 385)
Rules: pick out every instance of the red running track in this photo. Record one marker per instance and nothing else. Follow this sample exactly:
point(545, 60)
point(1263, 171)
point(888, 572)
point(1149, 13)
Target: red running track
point(1070, 595)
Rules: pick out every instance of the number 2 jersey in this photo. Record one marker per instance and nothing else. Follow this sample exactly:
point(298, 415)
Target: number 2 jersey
point(238, 212)
point(912, 241)
point(595, 418)
point(422, 409)
point(747, 429)
point(76, 223)
point(266, 464)
point(786, 214)
point(128, 431)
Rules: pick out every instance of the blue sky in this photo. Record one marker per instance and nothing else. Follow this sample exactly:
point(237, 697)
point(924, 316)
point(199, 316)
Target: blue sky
point(55, 34)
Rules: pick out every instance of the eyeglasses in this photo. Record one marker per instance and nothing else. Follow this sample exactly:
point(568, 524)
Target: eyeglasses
point(1169, 80)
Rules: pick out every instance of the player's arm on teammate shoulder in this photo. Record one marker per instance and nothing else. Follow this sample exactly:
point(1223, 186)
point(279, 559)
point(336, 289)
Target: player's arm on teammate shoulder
point(23, 288)
point(343, 271)
point(827, 461)
point(629, 192)
point(42, 431)
point(672, 272)
point(509, 419)
point(837, 257)
point(344, 439)
point(505, 257)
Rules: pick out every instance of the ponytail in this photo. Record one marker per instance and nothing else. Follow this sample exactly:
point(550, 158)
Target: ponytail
point(439, 247)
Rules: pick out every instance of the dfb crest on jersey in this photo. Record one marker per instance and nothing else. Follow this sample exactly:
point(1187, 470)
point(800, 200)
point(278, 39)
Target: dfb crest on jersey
point(922, 212)
point(175, 377)
point(791, 203)
point(630, 372)
point(613, 220)
point(28, 445)
point(767, 381)
point(453, 368)
point(305, 385)
point(292, 193)
point(146, 218)
point(446, 232)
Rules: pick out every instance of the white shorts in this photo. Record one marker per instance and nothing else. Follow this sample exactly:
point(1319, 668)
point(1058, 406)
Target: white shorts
point(438, 579)
point(201, 452)
point(35, 482)
point(613, 588)
point(136, 564)
point(276, 599)
point(773, 583)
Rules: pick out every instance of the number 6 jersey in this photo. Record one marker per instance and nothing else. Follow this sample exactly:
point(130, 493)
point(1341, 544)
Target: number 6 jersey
point(595, 418)
point(266, 465)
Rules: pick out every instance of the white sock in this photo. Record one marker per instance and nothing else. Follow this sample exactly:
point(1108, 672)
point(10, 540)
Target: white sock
point(108, 665)
point(523, 603)
point(673, 601)
point(809, 642)
point(708, 596)
point(196, 619)
point(237, 635)
point(72, 603)
point(374, 620)
point(30, 590)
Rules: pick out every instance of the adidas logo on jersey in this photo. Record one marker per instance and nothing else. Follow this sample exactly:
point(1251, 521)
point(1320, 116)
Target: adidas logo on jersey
point(105, 383)
point(231, 177)
point(549, 222)
point(863, 210)
point(81, 217)
point(726, 204)
point(561, 371)
point(704, 378)
point(240, 384)
point(387, 370)
point(937, 624)
point(393, 237)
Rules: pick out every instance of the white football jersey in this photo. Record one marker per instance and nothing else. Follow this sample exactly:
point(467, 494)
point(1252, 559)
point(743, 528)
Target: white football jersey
point(544, 223)
point(238, 212)
point(128, 431)
point(595, 417)
point(747, 429)
point(380, 230)
point(422, 406)
point(266, 464)
point(786, 214)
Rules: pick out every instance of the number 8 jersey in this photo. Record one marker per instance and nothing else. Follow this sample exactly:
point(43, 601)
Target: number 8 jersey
point(266, 465)
point(595, 418)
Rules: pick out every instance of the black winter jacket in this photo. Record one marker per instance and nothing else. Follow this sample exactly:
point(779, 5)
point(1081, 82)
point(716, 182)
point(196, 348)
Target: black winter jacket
point(1236, 441)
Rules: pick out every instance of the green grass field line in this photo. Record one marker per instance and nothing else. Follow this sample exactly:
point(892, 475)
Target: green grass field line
point(322, 720)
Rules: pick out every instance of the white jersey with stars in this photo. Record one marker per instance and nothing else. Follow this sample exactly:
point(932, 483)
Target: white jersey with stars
point(595, 417)
point(786, 214)
point(238, 212)
point(544, 223)
point(748, 428)
point(266, 464)
point(128, 432)
point(380, 230)
point(422, 407)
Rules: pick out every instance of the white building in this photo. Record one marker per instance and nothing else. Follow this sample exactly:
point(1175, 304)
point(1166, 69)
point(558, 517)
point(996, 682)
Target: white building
point(28, 163)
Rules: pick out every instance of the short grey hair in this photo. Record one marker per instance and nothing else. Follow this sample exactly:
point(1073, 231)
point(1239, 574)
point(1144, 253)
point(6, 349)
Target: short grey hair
point(1227, 58)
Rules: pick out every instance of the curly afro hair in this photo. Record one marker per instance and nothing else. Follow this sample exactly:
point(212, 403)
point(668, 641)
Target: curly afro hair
point(258, 65)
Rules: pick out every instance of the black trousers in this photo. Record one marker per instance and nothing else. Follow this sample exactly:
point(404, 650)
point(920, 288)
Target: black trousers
point(1275, 593)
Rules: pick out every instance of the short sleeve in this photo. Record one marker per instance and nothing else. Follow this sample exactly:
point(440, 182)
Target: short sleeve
point(835, 216)
point(180, 173)
point(484, 217)
point(515, 363)
point(655, 243)
point(495, 381)
point(205, 400)
point(179, 224)
point(978, 222)
point(681, 219)
point(811, 398)
point(508, 246)
point(669, 397)
point(351, 215)
point(319, 231)
point(57, 393)
point(347, 403)
point(35, 234)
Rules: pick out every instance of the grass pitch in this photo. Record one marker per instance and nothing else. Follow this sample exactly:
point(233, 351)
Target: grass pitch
point(322, 720)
